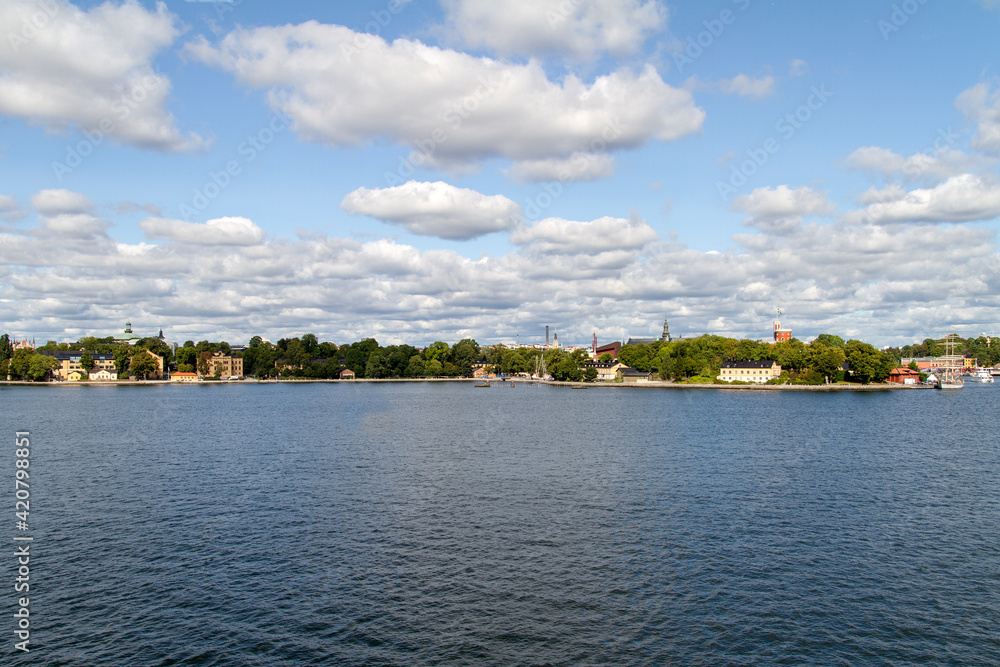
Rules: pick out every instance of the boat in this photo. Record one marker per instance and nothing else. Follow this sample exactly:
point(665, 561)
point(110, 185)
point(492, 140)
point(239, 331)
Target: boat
point(981, 375)
point(484, 384)
point(951, 364)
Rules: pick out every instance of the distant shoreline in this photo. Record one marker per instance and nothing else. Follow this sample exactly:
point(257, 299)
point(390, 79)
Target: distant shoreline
point(573, 385)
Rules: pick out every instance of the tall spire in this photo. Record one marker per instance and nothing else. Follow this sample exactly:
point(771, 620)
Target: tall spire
point(665, 336)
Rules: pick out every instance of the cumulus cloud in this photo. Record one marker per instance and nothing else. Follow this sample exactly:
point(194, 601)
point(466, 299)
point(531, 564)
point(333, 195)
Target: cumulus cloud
point(939, 164)
point(53, 202)
point(343, 88)
point(959, 199)
point(577, 167)
point(579, 30)
point(893, 283)
point(556, 235)
point(781, 209)
point(90, 69)
point(233, 231)
point(981, 103)
point(10, 209)
point(436, 209)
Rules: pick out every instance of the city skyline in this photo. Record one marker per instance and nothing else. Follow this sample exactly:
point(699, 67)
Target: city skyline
point(416, 171)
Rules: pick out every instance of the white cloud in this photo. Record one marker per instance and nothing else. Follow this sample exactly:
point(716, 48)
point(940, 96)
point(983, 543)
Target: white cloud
point(436, 209)
point(556, 235)
point(798, 67)
point(90, 69)
point(891, 283)
point(580, 30)
point(891, 192)
point(343, 88)
point(959, 199)
point(783, 202)
point(741, 84)
point(53, 202)
point(577, 167)
point(982, 104)
point(943, 163)
point(234, 231)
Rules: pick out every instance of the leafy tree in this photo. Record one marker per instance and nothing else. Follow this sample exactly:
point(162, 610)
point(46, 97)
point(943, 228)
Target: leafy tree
point(185, 368)
point(326, 350)
point(41, 366)
point(87, 362)
point(255, 341)
point(464, 354)
point(606, 358)
point(437, 350)
point(143, 363)
point(204, 359)
point(187, 355)
point(589, 374)
point(20, 364)
point(826, 360)
point(309, 343)
point(6, 348)
point(830, 340)
point(122, 352)
point(866, 363)
point(416, 367)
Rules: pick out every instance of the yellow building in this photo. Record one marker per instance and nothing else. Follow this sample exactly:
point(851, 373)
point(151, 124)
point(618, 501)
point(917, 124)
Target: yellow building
point(225, 365)
point(758, 372)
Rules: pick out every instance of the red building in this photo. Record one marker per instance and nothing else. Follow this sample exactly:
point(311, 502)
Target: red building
point(781, 334)
point(904, 375)
point(611, 348)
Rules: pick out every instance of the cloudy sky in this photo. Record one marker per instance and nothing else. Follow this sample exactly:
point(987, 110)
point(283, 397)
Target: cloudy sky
point(436, 169)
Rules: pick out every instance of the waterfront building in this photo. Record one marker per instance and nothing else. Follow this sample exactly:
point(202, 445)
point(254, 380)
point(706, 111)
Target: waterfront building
point(184, 377)
point(69, 362)
point(104, 375)
point(632, 375)
point(904, 375)
point(606, 371)
point(225, 365)
point(750, 371)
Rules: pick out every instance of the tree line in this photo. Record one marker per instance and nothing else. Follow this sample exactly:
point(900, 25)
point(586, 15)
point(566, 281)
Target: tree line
point(827, 358)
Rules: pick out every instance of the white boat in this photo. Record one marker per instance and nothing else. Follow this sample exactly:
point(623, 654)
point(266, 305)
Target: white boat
point(981, 375)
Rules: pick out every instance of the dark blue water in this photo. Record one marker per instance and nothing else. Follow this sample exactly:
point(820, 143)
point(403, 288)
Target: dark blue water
point(424, 524)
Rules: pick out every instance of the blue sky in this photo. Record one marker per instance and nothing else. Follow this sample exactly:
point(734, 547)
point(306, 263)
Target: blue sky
point(434, 170)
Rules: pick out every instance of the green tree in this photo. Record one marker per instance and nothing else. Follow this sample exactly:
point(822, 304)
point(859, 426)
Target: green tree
point(589, 374)
point(143, 364)
point(866, 363)
point(6, 349)
point(41, 366)
point(87, 362)
point(122, 352)
point(826, 360)
point(830, 340)
point(204, 365)
point(437, 350)
point(20, 364)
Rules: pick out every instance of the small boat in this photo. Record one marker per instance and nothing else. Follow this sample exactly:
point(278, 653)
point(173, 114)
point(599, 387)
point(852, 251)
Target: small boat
point(981, 375)
point(484, 384)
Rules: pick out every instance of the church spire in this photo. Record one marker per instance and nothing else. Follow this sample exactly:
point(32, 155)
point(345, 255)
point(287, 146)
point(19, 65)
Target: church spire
point(666, 332)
